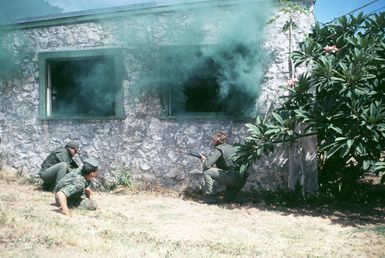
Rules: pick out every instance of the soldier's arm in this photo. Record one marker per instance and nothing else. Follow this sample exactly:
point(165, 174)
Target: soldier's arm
point(63, 156)
point(61, 198)
point(211, 160)
point(68, 189)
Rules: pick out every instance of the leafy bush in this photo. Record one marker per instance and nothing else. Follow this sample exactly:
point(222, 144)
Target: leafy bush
point(122, 178)
point(341, 100)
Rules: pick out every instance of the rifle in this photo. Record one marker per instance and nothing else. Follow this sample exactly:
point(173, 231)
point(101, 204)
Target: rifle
point(190, 153)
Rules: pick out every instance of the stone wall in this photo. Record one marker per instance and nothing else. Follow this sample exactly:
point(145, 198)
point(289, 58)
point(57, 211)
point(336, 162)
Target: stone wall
point(144, 142)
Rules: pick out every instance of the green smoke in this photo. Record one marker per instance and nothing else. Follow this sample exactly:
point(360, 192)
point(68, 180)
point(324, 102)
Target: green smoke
point(83, 87)
point(13, 12)
point(217, 51)
point(216, 47)
point(234, 57)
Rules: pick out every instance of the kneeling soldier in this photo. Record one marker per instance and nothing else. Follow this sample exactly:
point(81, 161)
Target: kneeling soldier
point(58, 163)
point(73, 189)
point(221, 167)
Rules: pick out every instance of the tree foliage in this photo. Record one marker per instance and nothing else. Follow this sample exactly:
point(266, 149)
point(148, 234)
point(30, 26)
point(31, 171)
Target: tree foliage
point(341, 99)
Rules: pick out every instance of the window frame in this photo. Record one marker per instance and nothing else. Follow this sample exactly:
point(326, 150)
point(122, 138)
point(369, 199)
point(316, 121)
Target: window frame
point(45, 88)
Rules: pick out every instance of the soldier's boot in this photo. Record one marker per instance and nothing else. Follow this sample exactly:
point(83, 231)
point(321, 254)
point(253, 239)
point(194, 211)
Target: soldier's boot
point(230, 195)
point(210, 199)
point(47, 187)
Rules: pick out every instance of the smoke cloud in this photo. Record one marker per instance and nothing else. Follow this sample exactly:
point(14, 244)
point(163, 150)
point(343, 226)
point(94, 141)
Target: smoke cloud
point(11, 12)
point(232, 59)
point(236, 53)
point(80, 5)
point(83, 87)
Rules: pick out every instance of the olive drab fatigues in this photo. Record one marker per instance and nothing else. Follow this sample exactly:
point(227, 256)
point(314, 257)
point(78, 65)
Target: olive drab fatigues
point(73, 185)
point(55, 166)
point(220, 166)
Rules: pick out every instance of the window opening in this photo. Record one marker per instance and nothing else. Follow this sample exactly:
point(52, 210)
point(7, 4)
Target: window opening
point(192, 84)
point(81, 87)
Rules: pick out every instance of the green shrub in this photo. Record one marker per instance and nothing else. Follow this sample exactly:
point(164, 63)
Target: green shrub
point(122, 178)
point(341, 100)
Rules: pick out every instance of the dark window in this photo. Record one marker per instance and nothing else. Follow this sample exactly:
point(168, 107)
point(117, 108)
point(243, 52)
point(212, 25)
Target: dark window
point(198, 92)
point(85, 84)
point(193, 84)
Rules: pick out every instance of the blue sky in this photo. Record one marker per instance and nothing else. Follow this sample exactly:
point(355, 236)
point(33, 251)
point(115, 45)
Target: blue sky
point(325, 10)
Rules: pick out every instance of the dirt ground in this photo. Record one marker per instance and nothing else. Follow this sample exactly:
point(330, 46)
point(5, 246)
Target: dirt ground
point(152, 224)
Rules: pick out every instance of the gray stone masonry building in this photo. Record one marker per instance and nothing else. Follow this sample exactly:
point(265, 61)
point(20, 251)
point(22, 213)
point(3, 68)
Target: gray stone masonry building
point(138, 85)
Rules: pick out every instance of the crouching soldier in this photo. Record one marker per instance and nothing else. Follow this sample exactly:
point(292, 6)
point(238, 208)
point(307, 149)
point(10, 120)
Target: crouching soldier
point(220, 166)
point(73, 189)
point(57, 165)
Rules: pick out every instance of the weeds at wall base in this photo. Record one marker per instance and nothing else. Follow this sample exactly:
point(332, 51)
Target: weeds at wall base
point(366, 196)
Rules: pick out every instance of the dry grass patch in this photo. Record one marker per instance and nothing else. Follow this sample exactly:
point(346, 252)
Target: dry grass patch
point(160, 224)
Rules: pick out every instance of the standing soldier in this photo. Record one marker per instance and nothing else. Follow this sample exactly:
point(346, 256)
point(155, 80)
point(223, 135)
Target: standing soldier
point(220, 166)
point(57, 164)
point(74, 188)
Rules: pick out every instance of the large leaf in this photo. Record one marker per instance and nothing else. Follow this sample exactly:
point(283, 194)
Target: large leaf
point(333, 150)
point(278, 118)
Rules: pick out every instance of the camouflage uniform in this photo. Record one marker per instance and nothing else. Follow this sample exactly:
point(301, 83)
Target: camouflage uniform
point(73, 185)
point(225, 171)
point(56, 166)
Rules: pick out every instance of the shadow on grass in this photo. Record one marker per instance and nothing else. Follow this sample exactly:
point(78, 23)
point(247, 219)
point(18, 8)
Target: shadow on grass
point(352, 211)
point(366, 206)
point(346, 214)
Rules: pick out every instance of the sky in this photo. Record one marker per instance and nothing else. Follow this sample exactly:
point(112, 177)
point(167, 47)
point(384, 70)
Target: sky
point(328, 10)
point(325, 10)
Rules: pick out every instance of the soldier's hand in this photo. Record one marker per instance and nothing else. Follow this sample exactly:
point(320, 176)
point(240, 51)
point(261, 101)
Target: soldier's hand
point(202, 157)
point(88, 192)
point(66, 212)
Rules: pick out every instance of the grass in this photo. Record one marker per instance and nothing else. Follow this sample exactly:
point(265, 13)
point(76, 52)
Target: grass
point(159, 223)
point(379, 230)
